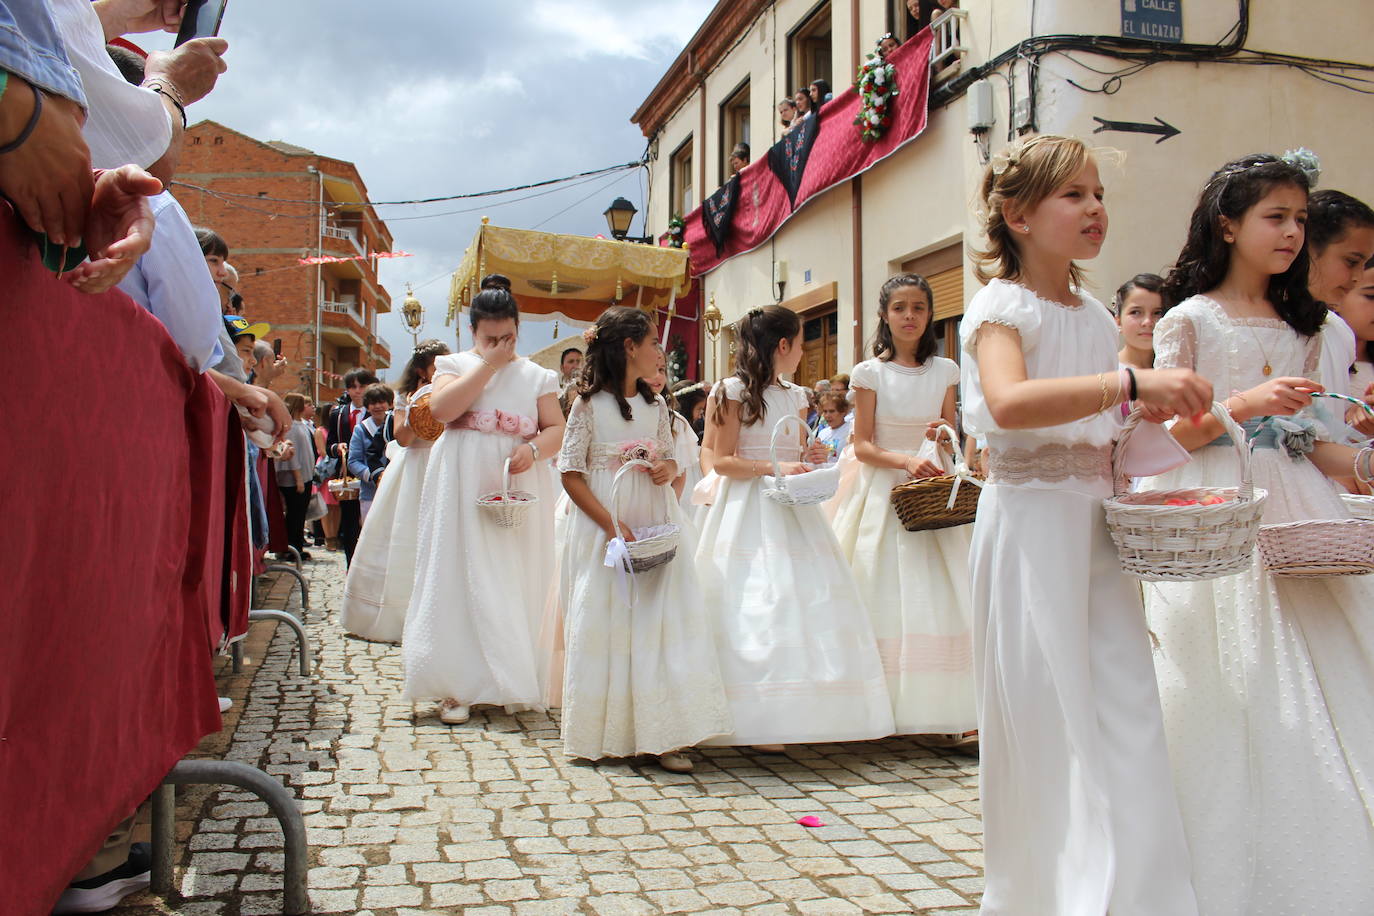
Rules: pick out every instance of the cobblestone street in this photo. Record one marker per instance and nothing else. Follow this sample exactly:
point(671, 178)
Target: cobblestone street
point(405, 815)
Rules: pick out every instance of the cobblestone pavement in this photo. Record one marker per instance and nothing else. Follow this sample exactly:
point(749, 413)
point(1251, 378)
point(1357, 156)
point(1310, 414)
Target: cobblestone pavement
point(406, 815)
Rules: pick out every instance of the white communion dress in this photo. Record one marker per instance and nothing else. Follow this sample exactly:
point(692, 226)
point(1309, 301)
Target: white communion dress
point(1079, 812)
point(1267, 683)
point(914, 584)
point(382, 575)
point(480, 589)
point(688, 452)
point(797, 649)
point(641, 674)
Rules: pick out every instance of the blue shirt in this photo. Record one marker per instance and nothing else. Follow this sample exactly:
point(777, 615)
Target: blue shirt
point(31, 49)
point(363, 434)
point(172, 281)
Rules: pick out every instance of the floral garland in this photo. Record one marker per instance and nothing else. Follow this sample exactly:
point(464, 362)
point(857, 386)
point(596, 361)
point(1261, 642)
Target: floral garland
point(877, 85)
point(676, 228)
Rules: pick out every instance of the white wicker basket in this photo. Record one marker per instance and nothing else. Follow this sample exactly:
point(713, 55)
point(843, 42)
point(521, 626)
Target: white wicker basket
point(1158, 542)
point(1318, 548)
point(505, 507)
point(805, 489)
point(654, 545)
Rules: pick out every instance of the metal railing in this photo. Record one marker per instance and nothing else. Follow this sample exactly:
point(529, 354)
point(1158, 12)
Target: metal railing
point(347, 307)
point(346, 234)
point(948, 50)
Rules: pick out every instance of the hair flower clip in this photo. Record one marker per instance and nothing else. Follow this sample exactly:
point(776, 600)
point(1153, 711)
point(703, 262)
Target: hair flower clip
point(1306, 160)
point(589, 335)
point(1003, 161)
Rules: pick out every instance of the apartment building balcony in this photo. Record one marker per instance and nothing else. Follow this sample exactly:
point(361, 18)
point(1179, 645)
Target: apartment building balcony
point(381, 351)
point(342, 322)
point(342, 239)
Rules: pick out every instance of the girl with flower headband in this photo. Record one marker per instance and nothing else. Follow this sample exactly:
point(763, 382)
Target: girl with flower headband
point(797, 650)
point(1267, 683)
point(480, 589)
point(1079, 813)
point(641, 675)
point(382, 574)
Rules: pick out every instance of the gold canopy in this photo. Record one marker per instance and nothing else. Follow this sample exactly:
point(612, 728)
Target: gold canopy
point(570, 274)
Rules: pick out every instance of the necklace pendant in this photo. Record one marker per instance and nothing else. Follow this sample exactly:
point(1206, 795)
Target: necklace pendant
point(1268, 370)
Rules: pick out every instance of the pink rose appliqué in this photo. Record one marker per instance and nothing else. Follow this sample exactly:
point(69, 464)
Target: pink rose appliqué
point(528, 428)
point(509, 423)
point(484, 421)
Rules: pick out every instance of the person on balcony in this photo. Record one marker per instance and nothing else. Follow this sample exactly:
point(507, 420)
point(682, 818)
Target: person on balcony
point(805, 109)
point(820, 93)
point(787, 113)
point(739, 157)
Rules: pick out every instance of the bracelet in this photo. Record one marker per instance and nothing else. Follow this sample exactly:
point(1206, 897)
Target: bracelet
point(1135, 392)
point(1365, 455)
point(169, 92)
point(1102, 380)
point(534, 449)
point(29, 127)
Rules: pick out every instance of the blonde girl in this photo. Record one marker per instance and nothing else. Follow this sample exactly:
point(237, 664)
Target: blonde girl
point(1079, 813)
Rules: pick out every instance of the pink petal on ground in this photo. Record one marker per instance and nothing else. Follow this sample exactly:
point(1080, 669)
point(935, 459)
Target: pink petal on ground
point(810, 821)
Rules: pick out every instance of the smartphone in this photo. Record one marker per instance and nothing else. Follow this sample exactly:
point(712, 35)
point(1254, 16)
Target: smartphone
point(276, 346)
point(200, 19)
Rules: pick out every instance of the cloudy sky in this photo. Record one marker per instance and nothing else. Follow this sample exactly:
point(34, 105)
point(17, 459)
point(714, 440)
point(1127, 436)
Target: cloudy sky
point(436, 97)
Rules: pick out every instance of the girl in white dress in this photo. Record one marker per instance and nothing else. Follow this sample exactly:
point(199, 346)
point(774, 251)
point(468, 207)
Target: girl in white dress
point(1079, 813)
point(641, 674)
point(1358, 312)
point(914, 583)
point(1267, 683)
point(382, 575)
point(797, 649)
point(1138, 304)
point(480, 589)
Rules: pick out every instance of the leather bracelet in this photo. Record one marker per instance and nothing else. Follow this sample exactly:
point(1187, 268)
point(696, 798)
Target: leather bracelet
point(1135, 392)
point(169, 92)
point(29, 127)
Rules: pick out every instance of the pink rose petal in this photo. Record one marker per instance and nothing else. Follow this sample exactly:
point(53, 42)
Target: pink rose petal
point(810, 821)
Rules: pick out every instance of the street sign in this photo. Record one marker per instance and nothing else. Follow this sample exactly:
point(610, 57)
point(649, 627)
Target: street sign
point(1153, 20)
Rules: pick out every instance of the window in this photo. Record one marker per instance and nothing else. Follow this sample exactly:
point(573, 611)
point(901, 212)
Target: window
point(681, 200)
point(944, 271)
point(734, 126)
point(808, 49)
point(900, 21)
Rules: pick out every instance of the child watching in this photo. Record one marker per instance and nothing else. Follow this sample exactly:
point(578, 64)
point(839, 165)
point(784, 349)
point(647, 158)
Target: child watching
point(365, 462)
point(834, 433)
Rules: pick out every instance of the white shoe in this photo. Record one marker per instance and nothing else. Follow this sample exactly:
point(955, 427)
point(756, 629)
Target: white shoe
point(225, 704)
point(676, 763)
point(451, 712)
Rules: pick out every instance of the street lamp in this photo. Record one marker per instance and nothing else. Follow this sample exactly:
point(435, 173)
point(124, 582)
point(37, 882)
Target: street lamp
point(619, 215)
point(712, 317)
point(413, 313)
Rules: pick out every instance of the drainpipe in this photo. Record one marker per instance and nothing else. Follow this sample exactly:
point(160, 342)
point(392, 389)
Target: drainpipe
point(319, 280)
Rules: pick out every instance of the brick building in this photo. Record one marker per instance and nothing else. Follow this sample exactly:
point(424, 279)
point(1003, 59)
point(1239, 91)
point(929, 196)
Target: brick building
point(325, 314)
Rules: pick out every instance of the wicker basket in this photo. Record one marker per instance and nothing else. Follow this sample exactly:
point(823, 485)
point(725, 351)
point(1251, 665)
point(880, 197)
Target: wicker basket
point(805, 489)
point(505, 507)
point(1318, 548)
point(419, 419)
point(1359, 506)
point(654, 545)
point(932, 503)
point(1158, 542)
point(345, 489)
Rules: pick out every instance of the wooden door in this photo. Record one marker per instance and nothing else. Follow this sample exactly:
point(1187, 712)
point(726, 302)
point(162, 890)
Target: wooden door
point(819, 348)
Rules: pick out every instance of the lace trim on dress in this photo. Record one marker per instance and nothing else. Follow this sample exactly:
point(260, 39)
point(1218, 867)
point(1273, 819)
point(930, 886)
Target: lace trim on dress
point(576, 453)
point(991, 319)
point(1053, 462)
point(1176, 344)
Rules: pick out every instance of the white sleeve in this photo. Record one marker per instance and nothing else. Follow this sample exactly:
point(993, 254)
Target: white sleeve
point(865, 375)
point(447, 364)
point(548, 384)
point(1001, 303)
point(181, 293)
point(124, 123)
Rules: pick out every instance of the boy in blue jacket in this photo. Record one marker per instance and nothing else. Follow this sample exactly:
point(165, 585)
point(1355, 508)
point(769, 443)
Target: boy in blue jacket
point(365, 460)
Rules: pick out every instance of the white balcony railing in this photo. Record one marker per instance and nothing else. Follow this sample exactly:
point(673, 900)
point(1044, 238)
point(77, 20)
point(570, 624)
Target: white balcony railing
point(345, 307)
point(948, 50)
point(345, 234)
point(381, 342)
